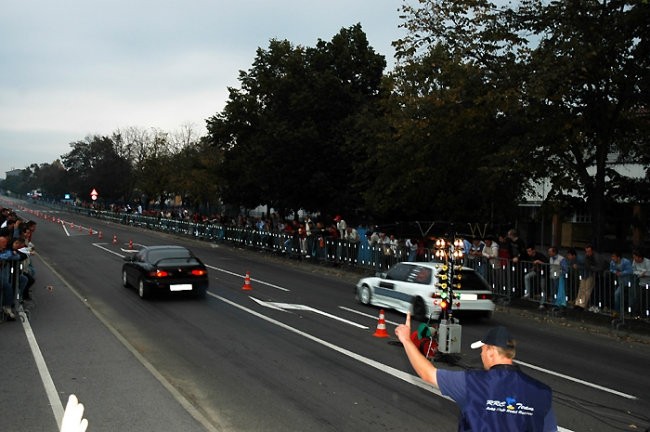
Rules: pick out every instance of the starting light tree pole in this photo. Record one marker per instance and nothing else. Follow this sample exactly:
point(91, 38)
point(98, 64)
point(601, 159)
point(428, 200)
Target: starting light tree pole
point(449, 280)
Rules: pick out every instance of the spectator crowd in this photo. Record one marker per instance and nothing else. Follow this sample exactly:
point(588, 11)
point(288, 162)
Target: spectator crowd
point(17, 274)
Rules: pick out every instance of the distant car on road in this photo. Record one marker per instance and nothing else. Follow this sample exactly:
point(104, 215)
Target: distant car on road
point(165, 269)
point(411, 286)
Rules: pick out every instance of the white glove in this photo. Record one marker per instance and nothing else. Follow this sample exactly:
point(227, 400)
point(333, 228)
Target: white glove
point(72, 416)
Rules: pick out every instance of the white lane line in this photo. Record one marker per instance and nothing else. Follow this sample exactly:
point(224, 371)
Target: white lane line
point(289, 306)
point(579, 381)
point(46, 378)
point(101, 246)
point(252, 280)
point(367, 315)
point(411, 379)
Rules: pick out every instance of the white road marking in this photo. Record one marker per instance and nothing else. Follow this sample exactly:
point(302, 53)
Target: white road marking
point(46, 378)
point(288, 306)
point(576, 380)
point(101, 246)
point(252, 280)
point(367, 315)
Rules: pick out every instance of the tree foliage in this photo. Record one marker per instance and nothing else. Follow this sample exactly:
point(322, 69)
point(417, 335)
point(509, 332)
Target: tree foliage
point(541, 89)
point(287, 132)
point(94, 164)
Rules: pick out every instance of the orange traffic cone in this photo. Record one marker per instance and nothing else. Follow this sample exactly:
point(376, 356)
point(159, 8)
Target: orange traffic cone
point(114, 239)
point(90, 231)
point(130, 244)
point(381, 326)
point(247, 282)
point(99, 235)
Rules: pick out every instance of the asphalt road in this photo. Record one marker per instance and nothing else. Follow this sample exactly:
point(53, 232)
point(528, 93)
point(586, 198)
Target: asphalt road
point(294, 353)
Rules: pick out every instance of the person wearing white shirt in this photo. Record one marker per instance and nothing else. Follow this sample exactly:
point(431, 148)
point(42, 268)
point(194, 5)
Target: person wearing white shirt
point(641, 270)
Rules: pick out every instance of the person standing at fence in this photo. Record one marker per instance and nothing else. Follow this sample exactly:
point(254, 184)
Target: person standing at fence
point(7, 257)
point(641, 268)
point(517, 246)
point(622, 269)
point(411, 245)
point(475, 255)
point(490, 253)
point(352, 240)
point(557, 272)
point(341, 226)
point(536, 262)
point(589, 269)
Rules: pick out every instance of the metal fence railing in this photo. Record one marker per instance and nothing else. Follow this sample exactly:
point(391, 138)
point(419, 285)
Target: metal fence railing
point(12, 284)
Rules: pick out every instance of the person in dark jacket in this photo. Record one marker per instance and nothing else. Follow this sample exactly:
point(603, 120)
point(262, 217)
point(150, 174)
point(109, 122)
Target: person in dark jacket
point(499, 398)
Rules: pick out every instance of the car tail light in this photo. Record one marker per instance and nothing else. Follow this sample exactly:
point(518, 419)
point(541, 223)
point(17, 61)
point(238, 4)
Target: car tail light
point(199, 272)
point(159, 274)
point(485, 296)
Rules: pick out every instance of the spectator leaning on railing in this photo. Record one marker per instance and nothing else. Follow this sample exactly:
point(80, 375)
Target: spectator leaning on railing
point(622, 268)
point(641, 268)
point(589, 268)
point(8, 256)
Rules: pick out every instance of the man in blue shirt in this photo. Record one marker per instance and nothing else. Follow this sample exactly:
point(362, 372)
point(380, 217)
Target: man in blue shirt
point(622, 269)
point(500, 398)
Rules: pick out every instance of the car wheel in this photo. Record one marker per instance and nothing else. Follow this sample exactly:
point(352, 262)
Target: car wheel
point(364, 295)
point(125, 281)
point(143, 290)
point(419, 309)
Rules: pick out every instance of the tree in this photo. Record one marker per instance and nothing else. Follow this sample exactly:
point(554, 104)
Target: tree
point(446, 156)
point(284, 133)
point(586, 95)
point(94, 163)
point(197, 166)
point(558, 94)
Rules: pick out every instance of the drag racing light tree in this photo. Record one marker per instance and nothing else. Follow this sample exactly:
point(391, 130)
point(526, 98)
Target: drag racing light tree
point(449, 280)
point(449, 276)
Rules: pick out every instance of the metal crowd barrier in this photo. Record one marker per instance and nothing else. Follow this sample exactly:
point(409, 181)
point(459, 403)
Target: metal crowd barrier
point(549, 286)
point(10, 294)
point(508, 280)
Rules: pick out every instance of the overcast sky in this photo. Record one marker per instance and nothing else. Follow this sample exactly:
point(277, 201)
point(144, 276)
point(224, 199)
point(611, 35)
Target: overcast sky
point(73, 68)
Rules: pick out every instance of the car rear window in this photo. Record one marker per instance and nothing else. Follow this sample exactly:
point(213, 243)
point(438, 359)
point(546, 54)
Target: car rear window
point(472, 281)
point(157, 255)
point(419, 274)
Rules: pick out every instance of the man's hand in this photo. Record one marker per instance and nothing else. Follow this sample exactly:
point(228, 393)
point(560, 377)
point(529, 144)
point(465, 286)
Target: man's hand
point(423, 367)
point(72, 416)
point(403, 331)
